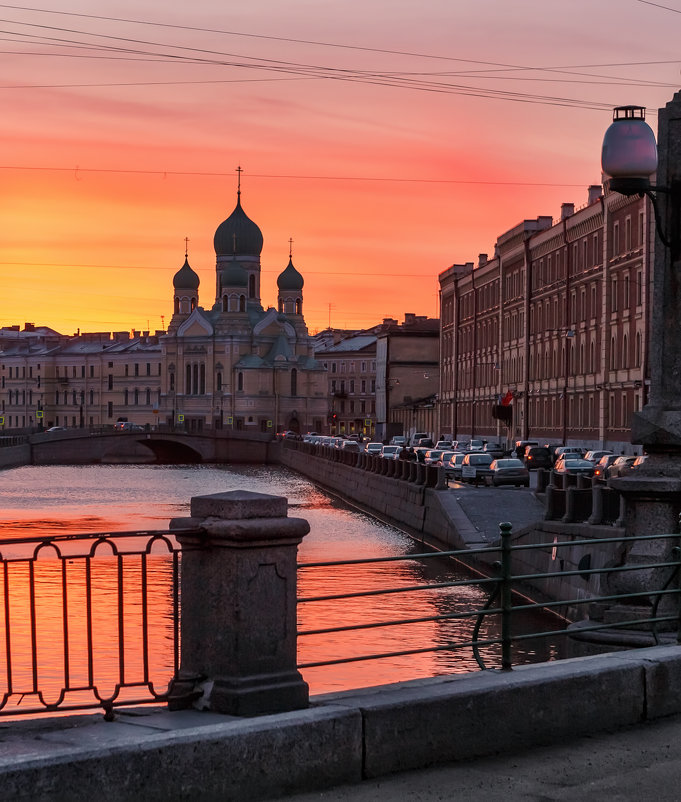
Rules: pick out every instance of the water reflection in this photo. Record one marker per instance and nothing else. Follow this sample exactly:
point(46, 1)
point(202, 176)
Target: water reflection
point(58, 500)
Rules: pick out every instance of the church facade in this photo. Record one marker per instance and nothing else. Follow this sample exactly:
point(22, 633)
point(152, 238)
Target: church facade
point(232, 365)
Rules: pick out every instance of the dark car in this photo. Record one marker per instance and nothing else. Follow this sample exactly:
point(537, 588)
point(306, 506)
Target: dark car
point(621, 466)
point(508, 471)
point(475, 466)
point(601, 469)
point(494, 449)
point(574, 466)
point(537, 457)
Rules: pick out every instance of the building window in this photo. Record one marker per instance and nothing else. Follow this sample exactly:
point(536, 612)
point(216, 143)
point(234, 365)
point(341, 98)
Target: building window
point(240, 382)
point(109, 409)
point(137, 369)
point(127, 370)
point(294, 382)
point(616, 239)
point(148, 368)
point(613, 296)
point(148, 398)
point(218, 382)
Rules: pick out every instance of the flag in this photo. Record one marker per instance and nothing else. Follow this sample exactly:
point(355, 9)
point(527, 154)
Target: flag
point(506, 400)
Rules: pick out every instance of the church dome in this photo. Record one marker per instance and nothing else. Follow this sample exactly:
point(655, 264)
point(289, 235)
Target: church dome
point(290, 279)
point(238, 235)
point(234, 275)
point(186, 278)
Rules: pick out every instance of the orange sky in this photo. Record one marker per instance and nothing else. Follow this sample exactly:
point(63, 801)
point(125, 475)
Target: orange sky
point(120, 139)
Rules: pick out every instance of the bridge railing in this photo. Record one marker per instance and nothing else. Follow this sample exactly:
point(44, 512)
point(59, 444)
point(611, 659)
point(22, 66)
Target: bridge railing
point(88, 621)
point(205, 614)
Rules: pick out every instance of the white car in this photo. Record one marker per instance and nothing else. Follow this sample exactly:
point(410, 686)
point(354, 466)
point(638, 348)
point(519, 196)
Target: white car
point(390, 452)
point(373, 448)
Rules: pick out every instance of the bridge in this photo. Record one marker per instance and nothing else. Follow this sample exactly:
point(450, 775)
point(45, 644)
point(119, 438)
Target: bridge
point(85, 446)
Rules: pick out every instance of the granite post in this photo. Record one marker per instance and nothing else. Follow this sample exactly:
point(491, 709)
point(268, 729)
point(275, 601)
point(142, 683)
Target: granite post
point(238, 606)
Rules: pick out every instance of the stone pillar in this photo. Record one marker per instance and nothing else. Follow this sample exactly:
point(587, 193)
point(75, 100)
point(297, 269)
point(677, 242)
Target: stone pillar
point(238, 606)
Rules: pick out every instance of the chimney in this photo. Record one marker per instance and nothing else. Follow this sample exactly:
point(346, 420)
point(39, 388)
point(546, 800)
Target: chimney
point(409, 318)
point(566, 210)
point(595, 192)
point(482, 259)
point(29, 326)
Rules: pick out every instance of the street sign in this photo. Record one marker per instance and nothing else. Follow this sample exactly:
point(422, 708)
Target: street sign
point(269, 424)
point(367, 421)
point(2, 420)
point(230, 420)
point(180, 418)
point(39, 414)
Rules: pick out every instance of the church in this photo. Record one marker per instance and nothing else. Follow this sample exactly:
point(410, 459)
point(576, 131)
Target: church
point(236, 364)
point(232, 364)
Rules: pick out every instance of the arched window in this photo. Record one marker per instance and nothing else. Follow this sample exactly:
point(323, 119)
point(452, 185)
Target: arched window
point(92, 396)
point(176, 305)
point(195, 379)
point(638, 349)
point(240, 381)
point(171, 380)
point(202, 379)
point(281, 306)
point(299, 306)
point(188, 381)
point(193, 304)
point(294, 382)
point(251, 286)
point(242, 302)
point(225, 303)
point(218, 382)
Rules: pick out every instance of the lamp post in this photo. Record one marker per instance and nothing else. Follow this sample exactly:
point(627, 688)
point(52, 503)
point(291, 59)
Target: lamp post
point(652, 495)
point(630, 157)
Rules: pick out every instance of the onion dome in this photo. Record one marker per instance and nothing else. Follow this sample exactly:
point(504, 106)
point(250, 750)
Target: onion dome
point(186, 278)
point(290, 279)
point(238, 234)
point(234, 275)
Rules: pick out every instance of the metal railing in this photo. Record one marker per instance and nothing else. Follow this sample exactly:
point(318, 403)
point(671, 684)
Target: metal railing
point(88, 621)
point(93, 621)
point(507, 599)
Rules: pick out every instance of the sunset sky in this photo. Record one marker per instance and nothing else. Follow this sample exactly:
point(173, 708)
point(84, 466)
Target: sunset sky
point(389, 140)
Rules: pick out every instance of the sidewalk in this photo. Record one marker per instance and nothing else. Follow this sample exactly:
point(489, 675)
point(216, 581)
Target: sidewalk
point(638, 763)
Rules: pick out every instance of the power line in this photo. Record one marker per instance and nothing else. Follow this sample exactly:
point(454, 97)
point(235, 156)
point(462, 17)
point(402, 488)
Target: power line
point(366, 77)
point(210, 174)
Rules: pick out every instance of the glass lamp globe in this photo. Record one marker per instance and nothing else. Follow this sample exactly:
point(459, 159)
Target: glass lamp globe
point(629, 148)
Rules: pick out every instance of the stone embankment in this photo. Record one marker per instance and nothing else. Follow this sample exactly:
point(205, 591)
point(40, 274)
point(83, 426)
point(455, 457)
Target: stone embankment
point(467, 518)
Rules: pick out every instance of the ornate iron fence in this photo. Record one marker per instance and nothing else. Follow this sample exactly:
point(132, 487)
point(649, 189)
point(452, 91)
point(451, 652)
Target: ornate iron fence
point(88, 621)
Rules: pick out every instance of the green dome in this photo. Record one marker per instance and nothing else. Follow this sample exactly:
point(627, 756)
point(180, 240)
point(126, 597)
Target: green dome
point(238, 234)
point(234, 275)
point(290, 279)
point(186, 278)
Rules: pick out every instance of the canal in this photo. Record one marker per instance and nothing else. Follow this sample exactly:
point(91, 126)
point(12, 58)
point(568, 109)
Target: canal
point(36, 501)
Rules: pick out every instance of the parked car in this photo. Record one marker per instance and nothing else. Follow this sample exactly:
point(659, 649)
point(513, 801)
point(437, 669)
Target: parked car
point(432, 456)
point(574, 451)
point(373, 448)
point(520, 446)
point(601, 469)
point(508, 471)
point(475, 466)
point(595, 456)
point(621, 466)
point(537, 457)
point(453, 467)
point(574, 466)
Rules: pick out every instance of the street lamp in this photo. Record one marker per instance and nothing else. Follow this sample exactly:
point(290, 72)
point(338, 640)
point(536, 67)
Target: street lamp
point(629, 157)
